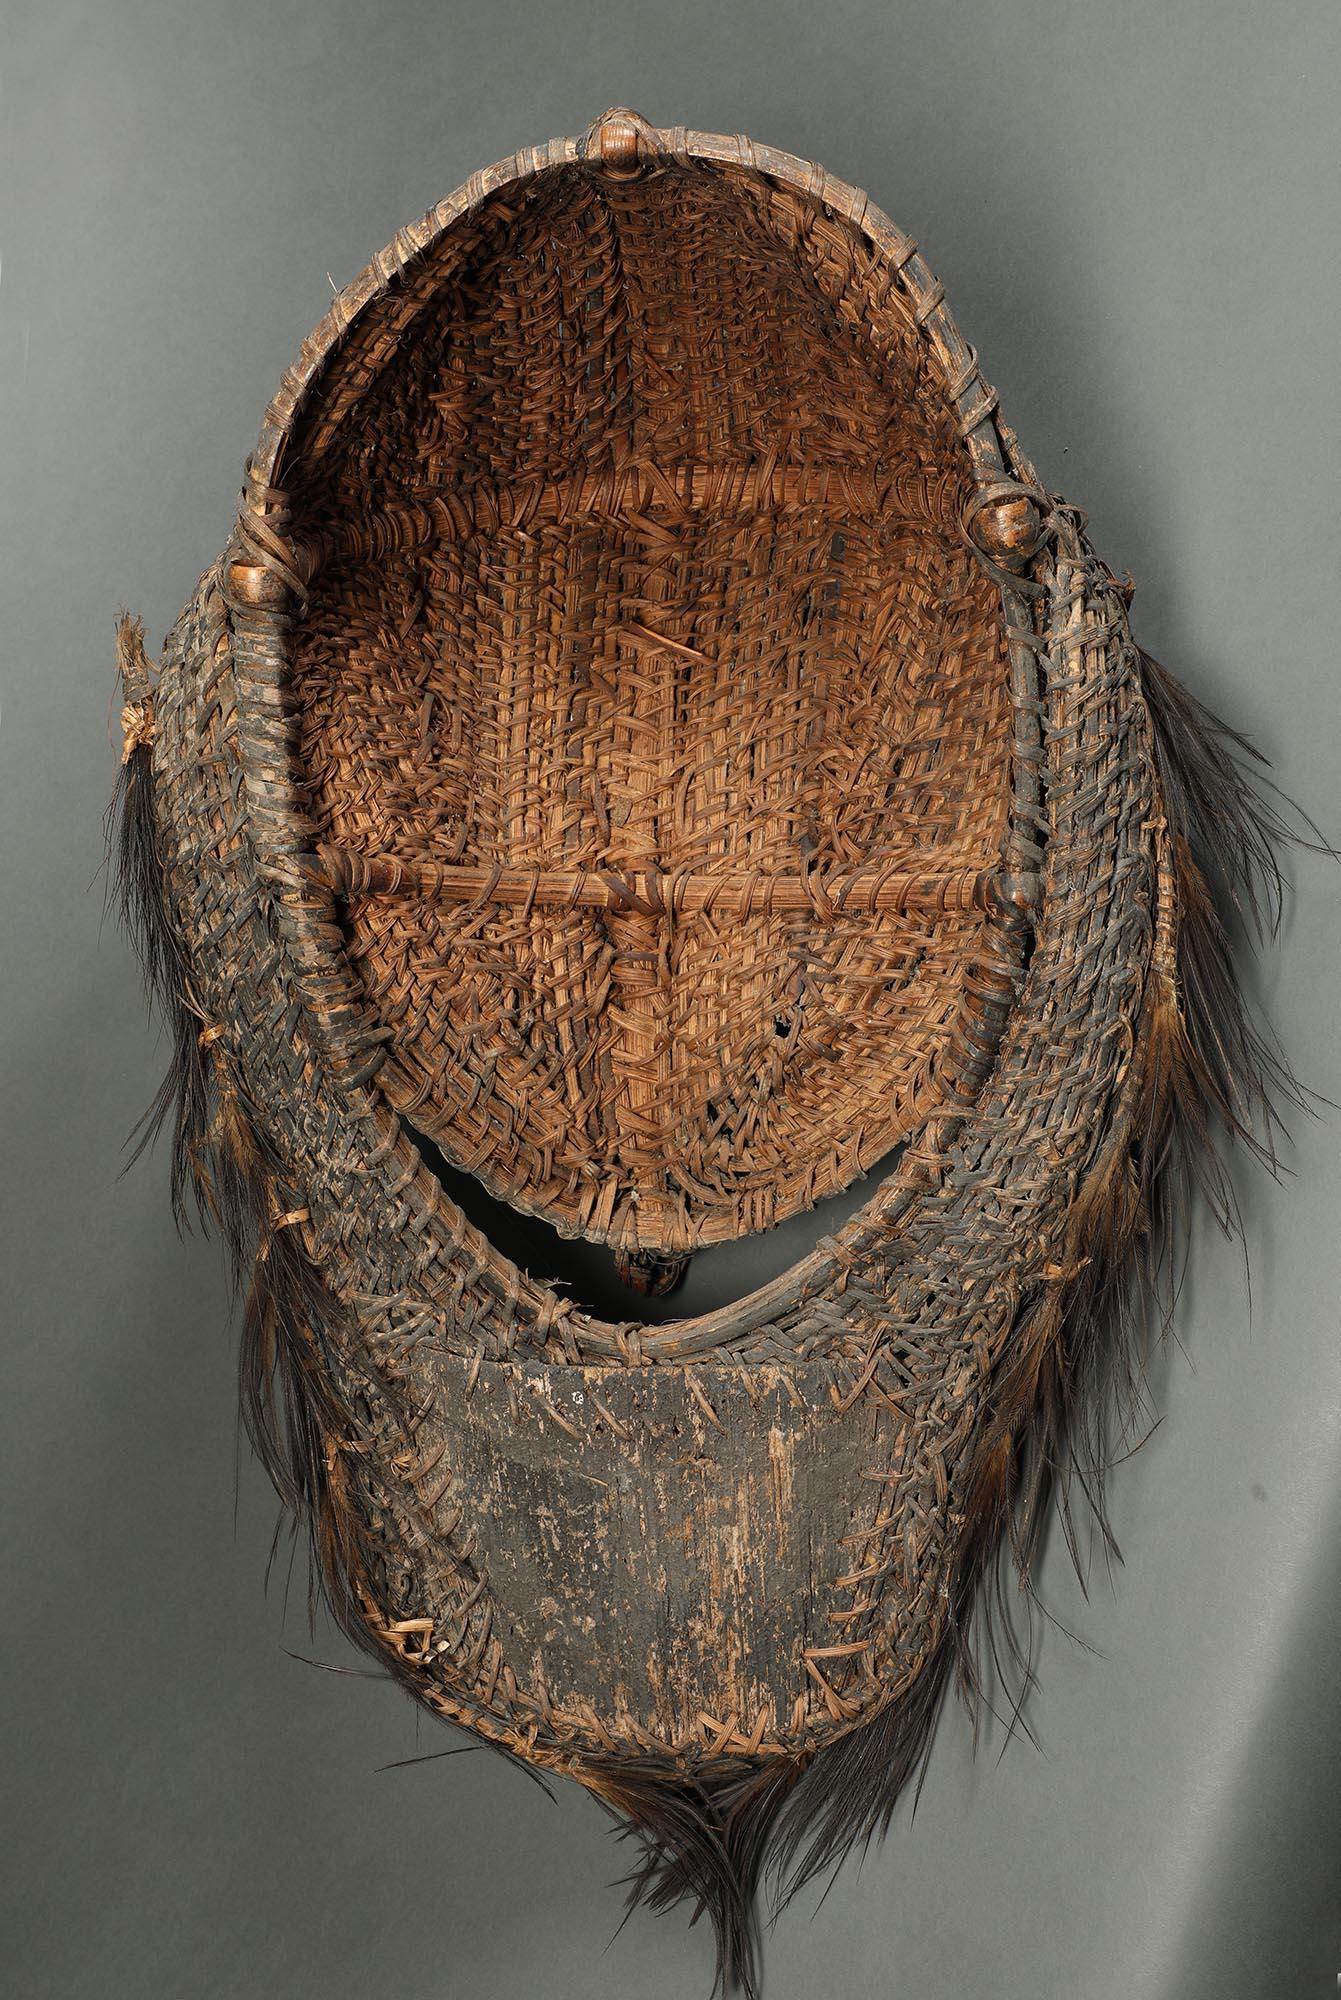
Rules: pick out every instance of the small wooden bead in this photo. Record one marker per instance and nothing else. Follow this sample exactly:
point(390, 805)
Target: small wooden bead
point(255, 584)
point(1009, 531)
point(618, 146)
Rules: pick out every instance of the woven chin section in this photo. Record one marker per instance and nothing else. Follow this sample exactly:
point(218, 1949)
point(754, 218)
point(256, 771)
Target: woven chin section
point(651, 747)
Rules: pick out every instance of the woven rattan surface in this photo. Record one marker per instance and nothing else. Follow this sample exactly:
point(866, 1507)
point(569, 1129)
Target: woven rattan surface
point(380, 775)
point(651, 738)
point(655, 568)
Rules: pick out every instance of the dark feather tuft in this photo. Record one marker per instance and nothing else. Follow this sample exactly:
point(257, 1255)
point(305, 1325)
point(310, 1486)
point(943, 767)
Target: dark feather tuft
point(1069, 1396)
point(138, 889)
point(705, 1838)
point(850, 1789)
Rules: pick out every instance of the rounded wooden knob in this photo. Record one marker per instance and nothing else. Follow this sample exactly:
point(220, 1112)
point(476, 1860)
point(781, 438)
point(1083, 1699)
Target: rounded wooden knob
point(1009, 530)
point(617, 144)
point(257, 584)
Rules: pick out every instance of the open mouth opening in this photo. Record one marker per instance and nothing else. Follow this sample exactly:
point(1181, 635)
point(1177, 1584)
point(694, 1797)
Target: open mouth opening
point(596, 1280)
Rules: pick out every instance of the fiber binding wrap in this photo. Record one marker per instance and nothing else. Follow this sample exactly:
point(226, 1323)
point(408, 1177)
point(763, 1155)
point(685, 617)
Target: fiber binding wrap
point(653, 747)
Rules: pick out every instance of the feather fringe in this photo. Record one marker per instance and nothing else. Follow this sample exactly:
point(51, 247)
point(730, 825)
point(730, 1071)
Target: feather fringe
point(138, 888)
point(1209, 1073)
point(1071, 1388)
point(223, 1170)
point(704, 1840)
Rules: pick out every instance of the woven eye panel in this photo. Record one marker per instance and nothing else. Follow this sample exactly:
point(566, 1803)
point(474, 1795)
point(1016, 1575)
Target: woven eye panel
point(652, 746)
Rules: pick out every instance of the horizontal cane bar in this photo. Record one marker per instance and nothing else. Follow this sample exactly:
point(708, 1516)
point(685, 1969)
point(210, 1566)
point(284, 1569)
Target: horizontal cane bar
point(902, 886)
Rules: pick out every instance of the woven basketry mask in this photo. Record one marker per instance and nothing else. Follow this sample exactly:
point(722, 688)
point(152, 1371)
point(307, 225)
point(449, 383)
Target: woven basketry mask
point(652, 746)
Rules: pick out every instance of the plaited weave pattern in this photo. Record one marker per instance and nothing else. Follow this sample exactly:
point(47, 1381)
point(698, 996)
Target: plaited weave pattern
point(653, 745)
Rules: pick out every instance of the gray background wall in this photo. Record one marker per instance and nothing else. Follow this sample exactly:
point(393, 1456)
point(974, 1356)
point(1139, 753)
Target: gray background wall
point(1134, 208)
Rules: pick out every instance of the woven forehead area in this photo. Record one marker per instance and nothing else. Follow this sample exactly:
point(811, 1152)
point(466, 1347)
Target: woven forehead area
point(643, 670)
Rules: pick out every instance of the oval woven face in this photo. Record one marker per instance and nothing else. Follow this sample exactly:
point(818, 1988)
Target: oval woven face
point(644, 669)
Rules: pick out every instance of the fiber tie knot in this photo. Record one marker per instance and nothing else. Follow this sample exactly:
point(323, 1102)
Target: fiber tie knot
point(137, 726)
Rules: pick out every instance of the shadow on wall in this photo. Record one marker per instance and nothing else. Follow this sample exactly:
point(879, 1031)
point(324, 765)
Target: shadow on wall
point(1269, 1893)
